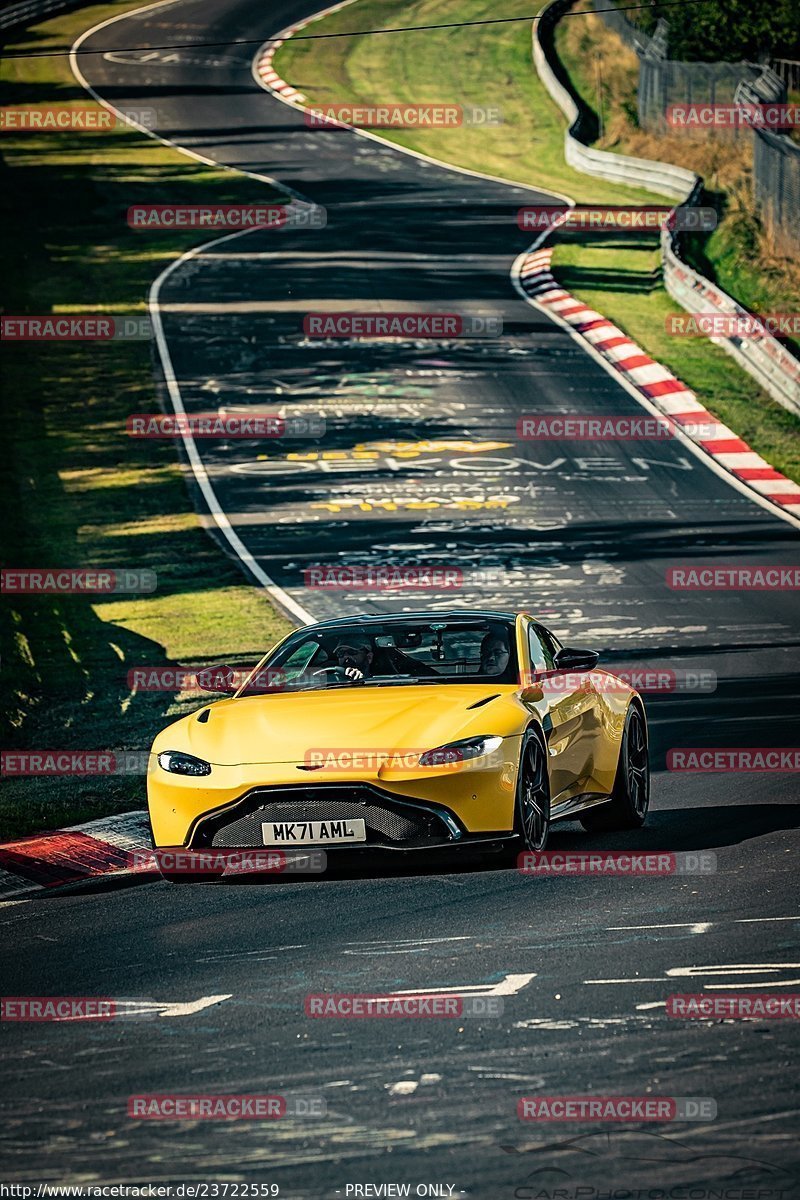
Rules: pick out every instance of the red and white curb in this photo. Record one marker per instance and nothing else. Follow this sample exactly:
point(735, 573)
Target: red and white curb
point(265, 72)
point(268, 75)
point(657, 385)
point(103, 847)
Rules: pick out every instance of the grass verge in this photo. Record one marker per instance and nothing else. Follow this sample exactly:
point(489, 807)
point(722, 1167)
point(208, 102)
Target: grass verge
point(486, 66)
point(75, 489)
point(491, 66)
point(621, 279)
point(739, 255)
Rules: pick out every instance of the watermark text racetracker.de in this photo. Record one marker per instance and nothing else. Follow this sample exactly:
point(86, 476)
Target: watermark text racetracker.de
point(222, 1107)
point(393, 115)
point(644, 677)
point(223, 425)
point(75, 581)
point(428, 1006)
point(732, 325)
point(196, 680)
point(50, 118)
point(621, 218)
point(738, 115)
point(749, 1006)
point(75, 327)
point(227, 216)
point(381, 577)
point(617, 862)
point(401, 325)
point(73, 762)
point(574, 427)
point(740, 759)
point(177, 860)
point(616, 1108)
point(712, 577)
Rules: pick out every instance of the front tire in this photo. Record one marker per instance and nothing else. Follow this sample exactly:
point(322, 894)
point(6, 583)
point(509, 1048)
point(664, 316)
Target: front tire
point(630, 796)
point(532, 818)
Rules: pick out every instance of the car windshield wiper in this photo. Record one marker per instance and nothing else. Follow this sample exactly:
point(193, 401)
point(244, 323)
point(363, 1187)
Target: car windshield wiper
point(413, 679)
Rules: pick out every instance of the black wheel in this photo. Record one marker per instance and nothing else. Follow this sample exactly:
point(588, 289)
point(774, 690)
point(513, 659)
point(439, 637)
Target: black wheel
point(533, 794)
point(630, 796)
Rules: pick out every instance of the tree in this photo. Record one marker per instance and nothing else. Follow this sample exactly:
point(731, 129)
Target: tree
point(727, 30)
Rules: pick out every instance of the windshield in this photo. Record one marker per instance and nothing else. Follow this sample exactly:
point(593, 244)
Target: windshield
point(398, 652)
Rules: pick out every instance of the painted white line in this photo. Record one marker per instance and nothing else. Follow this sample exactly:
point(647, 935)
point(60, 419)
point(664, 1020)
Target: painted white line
point(277, 593)
point(693, 972)
point(284, 35)
point(412, 941)
point(738, 968)
point(187, 1009)
point(705, 924)
point(160, 1008)
point(772, 983)
point(78, 73)
point(758, 920)
point(638, 979)
point(525, 260)
point(509, 986)
point(695, 926)
point(678, 434)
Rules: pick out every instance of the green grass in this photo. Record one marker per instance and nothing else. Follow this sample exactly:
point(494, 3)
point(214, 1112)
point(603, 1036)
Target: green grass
point(621, 279)
point(489, 66)
point(75, 489)
point(728, 257)
point(739, 256)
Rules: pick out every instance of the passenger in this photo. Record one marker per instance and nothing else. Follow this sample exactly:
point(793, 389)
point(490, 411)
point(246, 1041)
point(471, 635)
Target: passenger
point(495, 653)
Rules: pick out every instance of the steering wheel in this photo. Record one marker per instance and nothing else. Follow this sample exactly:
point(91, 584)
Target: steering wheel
point(339, 673)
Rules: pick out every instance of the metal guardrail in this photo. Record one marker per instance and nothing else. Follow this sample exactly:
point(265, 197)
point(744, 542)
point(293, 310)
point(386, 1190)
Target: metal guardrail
point(764, 358)
point(665, 179)
point(788, 70)
point(664, 81)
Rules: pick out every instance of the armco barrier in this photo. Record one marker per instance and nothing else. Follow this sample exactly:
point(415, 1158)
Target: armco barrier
point(764, 358)
point(662, 178)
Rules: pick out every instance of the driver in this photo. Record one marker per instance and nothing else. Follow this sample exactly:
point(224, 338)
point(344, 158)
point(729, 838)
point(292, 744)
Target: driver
point(354, 655)
point(495, 652)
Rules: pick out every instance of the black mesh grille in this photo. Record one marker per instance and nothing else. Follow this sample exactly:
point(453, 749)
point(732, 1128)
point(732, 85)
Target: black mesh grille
point(385, 823)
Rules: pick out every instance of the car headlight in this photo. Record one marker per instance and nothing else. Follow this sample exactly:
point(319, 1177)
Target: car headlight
point(456, 752)
point(178, 763)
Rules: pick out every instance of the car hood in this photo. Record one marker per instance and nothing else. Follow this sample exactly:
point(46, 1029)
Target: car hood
point(289, 728)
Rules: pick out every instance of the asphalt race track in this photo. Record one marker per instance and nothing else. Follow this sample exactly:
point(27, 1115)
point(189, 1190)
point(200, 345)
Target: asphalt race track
point(581, 533)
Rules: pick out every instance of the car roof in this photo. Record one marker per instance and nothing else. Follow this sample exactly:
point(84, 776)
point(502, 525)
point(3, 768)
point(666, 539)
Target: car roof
point(423, 615)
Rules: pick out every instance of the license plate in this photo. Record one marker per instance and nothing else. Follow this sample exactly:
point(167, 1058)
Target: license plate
point(289, 833)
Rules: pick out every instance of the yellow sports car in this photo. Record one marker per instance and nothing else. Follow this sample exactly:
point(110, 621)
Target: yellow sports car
point(412, 731)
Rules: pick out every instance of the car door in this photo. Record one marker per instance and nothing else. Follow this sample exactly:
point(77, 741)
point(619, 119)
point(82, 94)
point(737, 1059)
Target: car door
point(571, 721)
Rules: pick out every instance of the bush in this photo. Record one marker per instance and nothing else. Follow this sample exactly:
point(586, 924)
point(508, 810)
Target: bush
point(728, 30)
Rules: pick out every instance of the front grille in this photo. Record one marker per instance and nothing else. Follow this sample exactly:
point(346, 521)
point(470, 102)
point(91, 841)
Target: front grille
point(387, 823)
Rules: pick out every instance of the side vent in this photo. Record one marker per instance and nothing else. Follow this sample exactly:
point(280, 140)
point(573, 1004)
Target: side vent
point(485, 700)
point(204, 715)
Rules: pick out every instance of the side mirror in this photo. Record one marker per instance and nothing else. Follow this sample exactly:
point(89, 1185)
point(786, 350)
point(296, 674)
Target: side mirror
point(531, 694)
point(222, 679)
point(569, 659)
